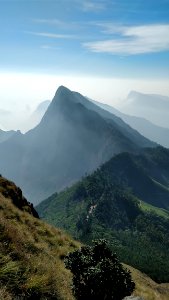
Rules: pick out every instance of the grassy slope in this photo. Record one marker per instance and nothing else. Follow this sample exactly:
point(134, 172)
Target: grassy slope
point(146, 207)
point(31, 256)
point(147, 288)
point(31, 260)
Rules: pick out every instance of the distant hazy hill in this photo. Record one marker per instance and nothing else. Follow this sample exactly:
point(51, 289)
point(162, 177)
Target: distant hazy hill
point(5, 135)
point(151, 131)
point(73, 138)
point(36, 116)
point(124, 202)
point(5, 119)
point(154, 108)
point(31, 252)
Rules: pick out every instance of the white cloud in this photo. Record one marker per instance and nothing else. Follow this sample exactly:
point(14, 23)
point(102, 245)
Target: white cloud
point(50, 22)
point(58, 23)
point(132, 40)
point(53, 35)
point(93, 6)
point(48, 47)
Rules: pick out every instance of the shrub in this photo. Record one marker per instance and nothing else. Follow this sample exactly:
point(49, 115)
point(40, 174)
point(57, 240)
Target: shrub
point(98, 274)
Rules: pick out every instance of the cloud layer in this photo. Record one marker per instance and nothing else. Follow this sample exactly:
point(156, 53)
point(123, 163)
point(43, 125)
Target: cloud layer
point(132, 39)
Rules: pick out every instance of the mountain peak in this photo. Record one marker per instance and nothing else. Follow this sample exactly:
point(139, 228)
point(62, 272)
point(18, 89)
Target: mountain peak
point(62, 90)
point(63, 97)
point(133, 94)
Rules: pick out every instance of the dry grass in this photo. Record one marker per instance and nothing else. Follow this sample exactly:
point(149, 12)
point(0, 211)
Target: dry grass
point(147, 288)
point(31, 260)
point(4, 295)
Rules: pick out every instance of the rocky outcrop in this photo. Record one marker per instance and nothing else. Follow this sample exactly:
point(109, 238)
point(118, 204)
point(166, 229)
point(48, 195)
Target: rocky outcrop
point(9, 190)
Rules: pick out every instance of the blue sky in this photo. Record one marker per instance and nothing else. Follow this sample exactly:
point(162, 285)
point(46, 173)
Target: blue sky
point(120, 39)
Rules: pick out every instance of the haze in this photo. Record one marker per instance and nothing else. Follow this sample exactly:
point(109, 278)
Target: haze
point(102, 49)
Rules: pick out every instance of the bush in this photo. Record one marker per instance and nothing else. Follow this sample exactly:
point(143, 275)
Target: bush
point(98, 274)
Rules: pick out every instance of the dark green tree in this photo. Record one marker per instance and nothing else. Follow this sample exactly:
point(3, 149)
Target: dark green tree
point(98, 274)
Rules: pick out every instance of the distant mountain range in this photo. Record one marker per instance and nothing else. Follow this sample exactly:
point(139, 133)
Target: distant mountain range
point(125, 201)
point(34, 119)
point(148, 129)
point(73, 138)
point(5, 135)
point(5, 117)
point(151, 131)
point(152, 107)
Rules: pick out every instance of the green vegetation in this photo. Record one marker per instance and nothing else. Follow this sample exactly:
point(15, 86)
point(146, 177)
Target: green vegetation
point(32, 257)
point(97, 273)
point(117, 202)
point(152, 209)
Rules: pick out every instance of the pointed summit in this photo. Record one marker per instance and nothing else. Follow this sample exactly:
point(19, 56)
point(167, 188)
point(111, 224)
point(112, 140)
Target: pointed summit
point(62, 90)
point(74, 137)
point(62, 93)
point(62, 96)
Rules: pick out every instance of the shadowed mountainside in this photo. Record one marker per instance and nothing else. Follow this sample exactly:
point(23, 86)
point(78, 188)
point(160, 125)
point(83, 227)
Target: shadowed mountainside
point(73, 138)
point(5, 135)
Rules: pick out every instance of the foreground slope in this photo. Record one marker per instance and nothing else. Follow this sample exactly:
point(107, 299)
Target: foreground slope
point(73, 138)
point(146, 288)
point(125, 201)
point(31, 252)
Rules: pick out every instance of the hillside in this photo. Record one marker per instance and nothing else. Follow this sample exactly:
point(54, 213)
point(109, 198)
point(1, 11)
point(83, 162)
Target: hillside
point(73, 138)
point(125, 201)
point(31, 253)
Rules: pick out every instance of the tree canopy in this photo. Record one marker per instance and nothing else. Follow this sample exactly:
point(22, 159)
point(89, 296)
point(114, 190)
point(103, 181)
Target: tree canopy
point(98, 274)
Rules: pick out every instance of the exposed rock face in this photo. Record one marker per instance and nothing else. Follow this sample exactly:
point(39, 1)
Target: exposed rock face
point(9, 190)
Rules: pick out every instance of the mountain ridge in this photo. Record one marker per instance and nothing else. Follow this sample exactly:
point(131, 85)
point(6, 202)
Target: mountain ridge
point(153, 107)
point(148, 129)
point(73, 138)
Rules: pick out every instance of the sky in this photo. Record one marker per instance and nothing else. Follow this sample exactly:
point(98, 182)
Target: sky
point(101, 48)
